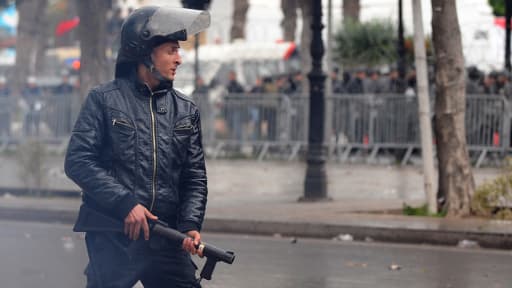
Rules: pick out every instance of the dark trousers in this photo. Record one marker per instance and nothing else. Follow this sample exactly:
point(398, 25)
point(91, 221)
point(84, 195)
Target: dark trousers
point(117, 262)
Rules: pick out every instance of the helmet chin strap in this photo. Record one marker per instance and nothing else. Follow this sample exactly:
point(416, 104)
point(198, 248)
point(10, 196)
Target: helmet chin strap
point(164, 82)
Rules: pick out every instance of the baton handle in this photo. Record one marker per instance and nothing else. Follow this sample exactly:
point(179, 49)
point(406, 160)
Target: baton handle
point(208, 250)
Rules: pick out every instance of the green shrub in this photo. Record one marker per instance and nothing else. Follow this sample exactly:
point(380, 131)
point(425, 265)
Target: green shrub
point(494, 198)
point(419, 211)
point(366, 44)
point(31, 156)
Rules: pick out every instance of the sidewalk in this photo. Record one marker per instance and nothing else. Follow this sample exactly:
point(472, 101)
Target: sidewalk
point(261, 198)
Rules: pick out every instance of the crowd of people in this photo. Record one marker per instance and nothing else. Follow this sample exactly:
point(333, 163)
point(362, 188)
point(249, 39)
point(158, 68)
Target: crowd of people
point(246, 118)
point(357, 81)
point(369, 81)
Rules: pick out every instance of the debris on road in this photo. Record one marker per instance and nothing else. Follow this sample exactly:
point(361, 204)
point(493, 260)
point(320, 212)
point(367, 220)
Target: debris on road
point(470, 244)
point(345, 237)
point(394, 267)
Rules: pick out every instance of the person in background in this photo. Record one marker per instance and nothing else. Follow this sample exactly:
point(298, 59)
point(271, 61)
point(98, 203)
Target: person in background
point(200, 88)
point(356, 84)
point(258, 86)
point(473, 78)
point(232, 111)
point(488, 84)
point(395, 84)
point(201, 97)
point(255, 121)
point(32, 94)
point(233, 85)
point(336, 82)
point(5, 108)
point(372, 83)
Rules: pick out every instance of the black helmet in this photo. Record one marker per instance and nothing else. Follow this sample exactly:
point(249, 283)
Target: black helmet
point(148, 27)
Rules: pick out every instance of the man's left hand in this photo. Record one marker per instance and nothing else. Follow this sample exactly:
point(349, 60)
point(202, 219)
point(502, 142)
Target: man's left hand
point(190, 243)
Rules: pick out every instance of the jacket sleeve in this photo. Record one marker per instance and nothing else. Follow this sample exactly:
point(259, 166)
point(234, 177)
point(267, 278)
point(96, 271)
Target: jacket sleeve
point(83, 164)
point(193, 183)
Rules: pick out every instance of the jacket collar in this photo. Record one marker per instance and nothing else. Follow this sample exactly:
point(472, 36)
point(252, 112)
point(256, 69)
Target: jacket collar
point(144, 89)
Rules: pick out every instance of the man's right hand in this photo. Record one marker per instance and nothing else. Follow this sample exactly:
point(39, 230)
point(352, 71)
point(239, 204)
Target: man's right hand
point(136, 220)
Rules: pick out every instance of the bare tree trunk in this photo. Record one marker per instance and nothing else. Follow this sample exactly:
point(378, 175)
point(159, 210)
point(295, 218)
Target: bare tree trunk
point(305, 54)
point(456, 183)
point(94, 66)
point(42, 40)
point(289, 22)
point(30, 26)
point(239, 19)
point(351, 10)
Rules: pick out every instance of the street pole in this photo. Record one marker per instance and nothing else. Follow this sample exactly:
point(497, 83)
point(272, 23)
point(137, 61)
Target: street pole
point(196, 5)
point(196, 60)
point(401, 42)
point(315, 184)
point(328, 85)
point(424, 107)
point(508, 14)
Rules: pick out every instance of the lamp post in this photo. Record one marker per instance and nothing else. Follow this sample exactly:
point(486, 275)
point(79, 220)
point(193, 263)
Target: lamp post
point(315, 184)
point(508, 16)
point(401, 42)
point(197, 5)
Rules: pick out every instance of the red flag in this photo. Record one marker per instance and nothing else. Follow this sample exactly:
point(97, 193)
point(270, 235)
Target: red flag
point(500, 22)
point(66, 26)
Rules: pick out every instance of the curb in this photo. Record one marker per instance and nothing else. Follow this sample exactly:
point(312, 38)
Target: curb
point(18, 191)
point(38, 215)
point(310, 230)
point(360, 233)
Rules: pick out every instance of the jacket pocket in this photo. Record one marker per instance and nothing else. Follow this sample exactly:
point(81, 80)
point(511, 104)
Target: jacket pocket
point(123, 136)
point(182, 131)
point(183, 127)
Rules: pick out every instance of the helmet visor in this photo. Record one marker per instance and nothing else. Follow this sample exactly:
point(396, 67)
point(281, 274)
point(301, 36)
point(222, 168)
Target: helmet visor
point(168, 20)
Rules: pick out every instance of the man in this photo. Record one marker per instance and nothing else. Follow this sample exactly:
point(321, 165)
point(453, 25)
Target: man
point(32, 94)
point(232, 110)
point(472, 80)
point(201, 87)
point(395, 85)
point(372, 82)
point(5, 108)
point(233, 85)
point(136, 152)
point(356, 84)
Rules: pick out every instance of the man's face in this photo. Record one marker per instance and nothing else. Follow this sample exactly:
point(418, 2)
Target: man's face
point(166, 58)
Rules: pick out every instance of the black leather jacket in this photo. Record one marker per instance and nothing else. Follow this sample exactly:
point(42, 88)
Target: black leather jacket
point(131, 145)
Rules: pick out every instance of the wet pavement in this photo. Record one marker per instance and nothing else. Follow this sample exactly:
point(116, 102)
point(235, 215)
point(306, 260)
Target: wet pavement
point(251, 197)
point(51, 256)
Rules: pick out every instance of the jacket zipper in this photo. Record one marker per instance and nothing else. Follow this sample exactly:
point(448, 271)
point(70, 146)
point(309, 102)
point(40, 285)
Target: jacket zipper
point(121, 122)
point(184, 127)
point(153, 137)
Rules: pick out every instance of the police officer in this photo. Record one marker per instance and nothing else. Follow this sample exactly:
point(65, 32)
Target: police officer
point(136, 153)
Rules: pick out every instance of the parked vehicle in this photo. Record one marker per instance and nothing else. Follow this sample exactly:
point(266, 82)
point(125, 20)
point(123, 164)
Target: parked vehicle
point(248, 60)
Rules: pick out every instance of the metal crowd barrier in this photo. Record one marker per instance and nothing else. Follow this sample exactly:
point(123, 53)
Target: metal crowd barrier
point(369, 122)
point(47, 117)
point(277, 124)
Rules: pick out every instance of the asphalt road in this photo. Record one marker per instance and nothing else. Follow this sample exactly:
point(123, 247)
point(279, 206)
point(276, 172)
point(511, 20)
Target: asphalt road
point(51, 256)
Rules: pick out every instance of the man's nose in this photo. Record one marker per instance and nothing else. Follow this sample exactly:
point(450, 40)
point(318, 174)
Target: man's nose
point(179, 59)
